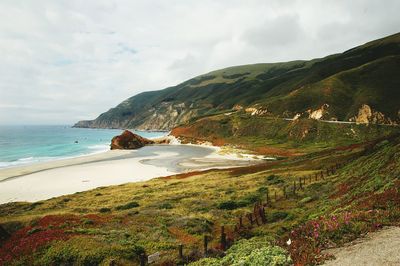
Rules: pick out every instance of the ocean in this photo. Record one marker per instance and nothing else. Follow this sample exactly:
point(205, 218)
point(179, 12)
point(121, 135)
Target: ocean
point(20, 145)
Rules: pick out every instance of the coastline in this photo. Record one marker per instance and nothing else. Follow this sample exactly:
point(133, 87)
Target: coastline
point(45, 180)
point(19, 170)
point(22, 170)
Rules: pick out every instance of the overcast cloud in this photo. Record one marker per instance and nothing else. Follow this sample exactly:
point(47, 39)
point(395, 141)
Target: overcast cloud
point(63, 61)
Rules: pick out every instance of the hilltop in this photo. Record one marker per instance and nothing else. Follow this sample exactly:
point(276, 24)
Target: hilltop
point(359, 85)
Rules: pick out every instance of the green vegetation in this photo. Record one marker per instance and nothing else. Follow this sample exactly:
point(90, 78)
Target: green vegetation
point(160, 214)
point(367, 74)
point(256, 251)
point(127, 206)
point(87, 251)
point(274, 136)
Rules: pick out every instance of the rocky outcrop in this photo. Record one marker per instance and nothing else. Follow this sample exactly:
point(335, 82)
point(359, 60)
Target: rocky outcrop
point(319, 113)
point(129, 141)
point(84, 124)
point(367, 115)
point(256, 110)
point(237, 107)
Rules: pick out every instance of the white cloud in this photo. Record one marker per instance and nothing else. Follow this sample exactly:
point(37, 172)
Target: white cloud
point(62, 61)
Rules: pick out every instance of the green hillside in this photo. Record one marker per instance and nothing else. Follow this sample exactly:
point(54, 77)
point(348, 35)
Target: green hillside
point(365, 75)
point(275, 136)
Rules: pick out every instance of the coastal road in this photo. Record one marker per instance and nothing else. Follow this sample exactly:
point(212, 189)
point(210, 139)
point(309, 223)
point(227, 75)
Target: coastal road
point(343, 122)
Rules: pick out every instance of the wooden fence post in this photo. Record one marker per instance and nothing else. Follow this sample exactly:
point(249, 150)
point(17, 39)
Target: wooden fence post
point(250, 217)
point(223, 238)
point(294, 187)
point(205, 245)
point(181, 252)
point(255, 216)
point(240, 221)
point(262, 215)
point(142, 259)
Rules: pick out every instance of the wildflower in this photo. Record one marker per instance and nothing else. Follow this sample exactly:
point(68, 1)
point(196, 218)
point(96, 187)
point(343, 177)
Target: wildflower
point(289, 242)
point(316, 234)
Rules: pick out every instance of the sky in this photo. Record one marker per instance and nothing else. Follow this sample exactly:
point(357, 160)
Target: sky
point(68, 60)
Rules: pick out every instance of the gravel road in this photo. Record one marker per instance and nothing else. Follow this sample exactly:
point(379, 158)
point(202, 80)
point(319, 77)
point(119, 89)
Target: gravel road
point(378, 248)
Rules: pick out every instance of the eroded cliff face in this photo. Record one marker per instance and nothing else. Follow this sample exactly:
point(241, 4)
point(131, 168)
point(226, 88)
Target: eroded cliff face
point(256, 110)
point(319, 113)
point(366, 115)
point(165, 116)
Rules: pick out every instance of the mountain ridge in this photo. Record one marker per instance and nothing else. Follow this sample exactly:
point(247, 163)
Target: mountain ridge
point(360, 85)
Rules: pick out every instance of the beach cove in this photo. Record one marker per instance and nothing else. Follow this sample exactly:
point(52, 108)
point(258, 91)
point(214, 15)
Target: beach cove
point(45, 180)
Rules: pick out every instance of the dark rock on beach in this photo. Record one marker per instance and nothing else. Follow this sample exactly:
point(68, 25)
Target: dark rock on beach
point(128, 141)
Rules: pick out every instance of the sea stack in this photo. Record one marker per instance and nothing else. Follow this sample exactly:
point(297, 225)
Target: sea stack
point(129, 141)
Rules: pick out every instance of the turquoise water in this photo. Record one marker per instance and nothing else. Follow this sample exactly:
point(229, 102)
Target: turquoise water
point(28, 144)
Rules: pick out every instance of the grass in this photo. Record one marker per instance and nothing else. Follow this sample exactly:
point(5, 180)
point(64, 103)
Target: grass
point(275, 136)
point(159, 214)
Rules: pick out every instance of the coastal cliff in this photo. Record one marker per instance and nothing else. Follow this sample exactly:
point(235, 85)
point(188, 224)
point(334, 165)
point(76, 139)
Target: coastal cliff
point(359, 85)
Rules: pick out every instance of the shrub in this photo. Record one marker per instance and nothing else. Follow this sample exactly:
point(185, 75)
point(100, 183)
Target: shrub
point(34, 205)
point(256, 251)
point(262, 190)
point(251, 198)
point(207, 262)
point(245, 201)
point(34, 230)
point(87, 221)
point(129, 205)
point(274, 180)
point(103, 210)
point(165, 205)
point(228, 205)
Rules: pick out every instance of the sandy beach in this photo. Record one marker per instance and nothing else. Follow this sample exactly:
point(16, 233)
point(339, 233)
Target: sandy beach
point(55, 178)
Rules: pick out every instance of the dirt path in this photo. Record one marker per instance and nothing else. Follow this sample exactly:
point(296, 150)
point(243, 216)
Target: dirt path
point(378, 248)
